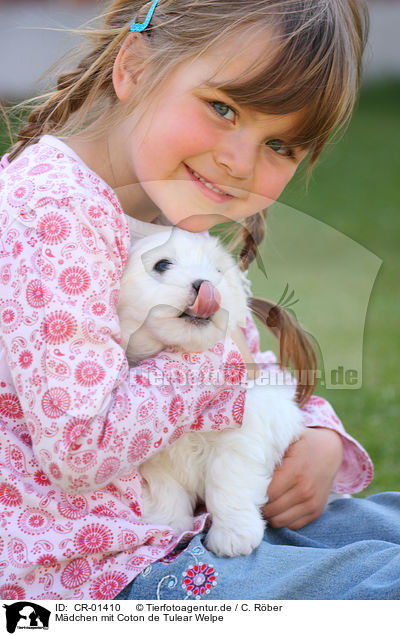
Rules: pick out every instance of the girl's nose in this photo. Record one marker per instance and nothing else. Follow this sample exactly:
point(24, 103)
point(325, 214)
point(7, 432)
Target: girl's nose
point(237, 155)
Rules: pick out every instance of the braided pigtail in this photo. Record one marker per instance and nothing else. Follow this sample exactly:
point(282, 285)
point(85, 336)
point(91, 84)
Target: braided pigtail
point(295, 347)
point(253, 230)
point(87, 86)
point(76, 89)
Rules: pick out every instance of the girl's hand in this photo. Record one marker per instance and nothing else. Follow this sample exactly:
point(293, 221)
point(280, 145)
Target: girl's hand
point(239, 339)
point(301, 484)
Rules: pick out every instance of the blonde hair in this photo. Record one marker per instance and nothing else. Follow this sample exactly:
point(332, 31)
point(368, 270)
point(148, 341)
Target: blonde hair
point(315, 68)
point(318, 46)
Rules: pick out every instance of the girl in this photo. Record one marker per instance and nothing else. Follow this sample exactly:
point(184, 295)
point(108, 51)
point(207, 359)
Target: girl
point(196, 112)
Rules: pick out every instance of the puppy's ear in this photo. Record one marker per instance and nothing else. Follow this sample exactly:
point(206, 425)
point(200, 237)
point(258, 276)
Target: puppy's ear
point(294, 344)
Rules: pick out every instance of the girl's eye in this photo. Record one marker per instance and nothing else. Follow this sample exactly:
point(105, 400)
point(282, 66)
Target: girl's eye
point(224, 110)
point(162, 266)
point(280, 148)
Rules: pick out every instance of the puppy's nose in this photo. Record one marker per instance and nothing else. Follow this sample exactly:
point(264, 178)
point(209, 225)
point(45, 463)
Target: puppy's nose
point(197, 284)
point(208, 299)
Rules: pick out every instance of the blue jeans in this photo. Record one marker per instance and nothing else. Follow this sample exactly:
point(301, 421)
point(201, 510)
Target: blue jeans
point(351, 552)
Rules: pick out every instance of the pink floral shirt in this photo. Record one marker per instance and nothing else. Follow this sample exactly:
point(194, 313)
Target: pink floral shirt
point(75, 421)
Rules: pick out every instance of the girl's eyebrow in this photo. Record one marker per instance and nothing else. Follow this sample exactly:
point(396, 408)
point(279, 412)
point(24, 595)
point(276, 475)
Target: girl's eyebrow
point(289, 136)
point(214, 87)
point(210, 87)
point(225, 97)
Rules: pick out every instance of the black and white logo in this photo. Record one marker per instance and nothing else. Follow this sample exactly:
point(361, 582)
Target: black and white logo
point(26, 615)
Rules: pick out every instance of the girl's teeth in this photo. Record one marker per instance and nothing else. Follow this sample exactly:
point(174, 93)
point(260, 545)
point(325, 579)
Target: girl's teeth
point(206, 183)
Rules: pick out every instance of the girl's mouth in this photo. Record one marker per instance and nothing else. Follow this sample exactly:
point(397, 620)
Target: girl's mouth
point(211, 190)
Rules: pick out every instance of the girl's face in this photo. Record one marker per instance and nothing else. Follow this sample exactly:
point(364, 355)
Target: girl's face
point(201, 158)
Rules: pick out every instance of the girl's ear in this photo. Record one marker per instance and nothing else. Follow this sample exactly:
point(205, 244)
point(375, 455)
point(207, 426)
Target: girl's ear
point(129, 65)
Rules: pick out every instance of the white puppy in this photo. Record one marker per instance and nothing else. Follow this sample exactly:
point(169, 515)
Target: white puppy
point(185, 291)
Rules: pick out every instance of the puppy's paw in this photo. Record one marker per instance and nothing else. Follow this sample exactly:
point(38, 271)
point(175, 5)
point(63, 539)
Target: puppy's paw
point(234, 541)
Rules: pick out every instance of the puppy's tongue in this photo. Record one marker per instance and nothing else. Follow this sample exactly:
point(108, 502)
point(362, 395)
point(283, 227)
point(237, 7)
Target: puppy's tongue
point(208, 301)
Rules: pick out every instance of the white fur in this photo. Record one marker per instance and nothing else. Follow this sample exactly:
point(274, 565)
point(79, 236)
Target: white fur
point(229, 470)
point(150, 303)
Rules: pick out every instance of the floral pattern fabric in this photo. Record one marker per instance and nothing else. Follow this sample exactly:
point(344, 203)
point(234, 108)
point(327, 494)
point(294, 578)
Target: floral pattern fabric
point(75, 421)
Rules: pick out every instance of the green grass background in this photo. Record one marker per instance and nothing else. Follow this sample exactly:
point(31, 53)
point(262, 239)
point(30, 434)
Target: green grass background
point(356, 189)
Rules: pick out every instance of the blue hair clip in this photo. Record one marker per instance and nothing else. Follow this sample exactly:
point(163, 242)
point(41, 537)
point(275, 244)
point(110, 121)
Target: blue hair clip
point(142, 26)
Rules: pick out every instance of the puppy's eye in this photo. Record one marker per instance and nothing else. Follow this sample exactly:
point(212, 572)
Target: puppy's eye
point(162, 266)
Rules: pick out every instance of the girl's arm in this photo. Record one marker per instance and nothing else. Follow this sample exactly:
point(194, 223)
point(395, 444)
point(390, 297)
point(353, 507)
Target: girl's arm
point(91, 418)
point(300, 486)
point(325, 459)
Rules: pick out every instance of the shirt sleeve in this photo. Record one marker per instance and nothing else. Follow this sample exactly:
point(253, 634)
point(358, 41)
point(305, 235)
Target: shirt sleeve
point(91, 418)
point(356, 470)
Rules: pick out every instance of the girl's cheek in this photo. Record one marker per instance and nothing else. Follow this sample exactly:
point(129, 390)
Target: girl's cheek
point(194, 139)
point(279, 178)
point(189, 132)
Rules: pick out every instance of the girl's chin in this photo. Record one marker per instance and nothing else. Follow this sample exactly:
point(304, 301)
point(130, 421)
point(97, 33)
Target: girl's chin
point(200, 222)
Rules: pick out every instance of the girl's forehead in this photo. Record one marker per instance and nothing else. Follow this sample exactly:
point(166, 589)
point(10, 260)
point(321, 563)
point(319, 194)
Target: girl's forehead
point(240, 69)
point(234, 59)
